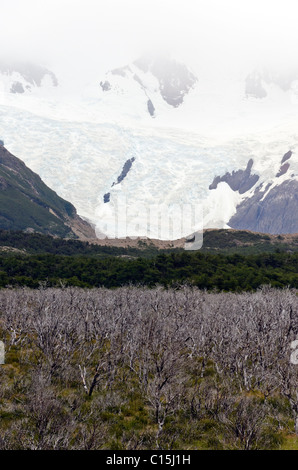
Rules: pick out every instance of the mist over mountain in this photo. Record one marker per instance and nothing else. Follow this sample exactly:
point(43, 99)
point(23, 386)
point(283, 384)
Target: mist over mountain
point(155, 77)
point(23, 77)
point(259, 82)
point(202, 118)
point(154, 136)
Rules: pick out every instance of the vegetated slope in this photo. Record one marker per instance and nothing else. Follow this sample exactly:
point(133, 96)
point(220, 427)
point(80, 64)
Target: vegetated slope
point(31, 259)
point(203, 270)
point(246, 242)
point(225, 241)
point(28, 204)
point(36, 243)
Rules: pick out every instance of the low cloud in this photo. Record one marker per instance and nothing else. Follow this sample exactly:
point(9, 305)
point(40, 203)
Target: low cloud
point(90, 36)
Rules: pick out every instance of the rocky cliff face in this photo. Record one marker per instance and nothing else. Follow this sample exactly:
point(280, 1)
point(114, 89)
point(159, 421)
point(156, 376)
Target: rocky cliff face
point(240, 180)
point(174, 78)
point(274, 212)
point(267, 207)
point(27, 204)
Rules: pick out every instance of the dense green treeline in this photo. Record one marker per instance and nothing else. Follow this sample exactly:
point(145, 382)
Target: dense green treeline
point(214, 241)
point(37, 243)
point(207, 271)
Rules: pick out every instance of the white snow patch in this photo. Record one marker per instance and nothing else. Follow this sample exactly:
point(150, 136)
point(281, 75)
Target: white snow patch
point(79, 140)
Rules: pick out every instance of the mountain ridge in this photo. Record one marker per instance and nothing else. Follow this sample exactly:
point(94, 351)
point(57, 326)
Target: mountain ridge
point(27, 203)
point(23, 77)
point(228, 156)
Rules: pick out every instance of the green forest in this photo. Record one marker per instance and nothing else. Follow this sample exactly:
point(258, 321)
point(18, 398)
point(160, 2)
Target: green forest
point(206, 271)
point(32, 259)
point(141, 348)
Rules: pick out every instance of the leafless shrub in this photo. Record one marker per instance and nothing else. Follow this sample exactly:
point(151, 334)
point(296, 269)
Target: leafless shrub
point(181, 349)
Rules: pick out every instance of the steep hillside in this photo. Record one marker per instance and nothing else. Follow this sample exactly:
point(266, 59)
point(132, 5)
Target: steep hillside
point(27, 204)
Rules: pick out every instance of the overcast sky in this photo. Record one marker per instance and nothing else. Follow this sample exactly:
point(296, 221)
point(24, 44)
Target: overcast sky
point(96, 35)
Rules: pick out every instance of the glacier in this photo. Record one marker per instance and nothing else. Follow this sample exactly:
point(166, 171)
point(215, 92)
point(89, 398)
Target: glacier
point(78, 143)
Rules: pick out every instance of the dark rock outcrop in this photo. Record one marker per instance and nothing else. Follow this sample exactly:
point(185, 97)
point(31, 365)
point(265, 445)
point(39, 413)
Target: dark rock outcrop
point(286, 156)
point(106, 86)
point(283, 169)
point(175, 80)
point(126, 167)
point(276, 213)
point(106, 197)
point(240, 180)
point(151, 108)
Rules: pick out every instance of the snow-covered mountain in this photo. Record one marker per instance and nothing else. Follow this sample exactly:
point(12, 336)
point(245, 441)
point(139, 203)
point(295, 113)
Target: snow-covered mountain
point(23, 77)
point(259, 83)
point(157, 83)
point(266, 203)
point(147, 147)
